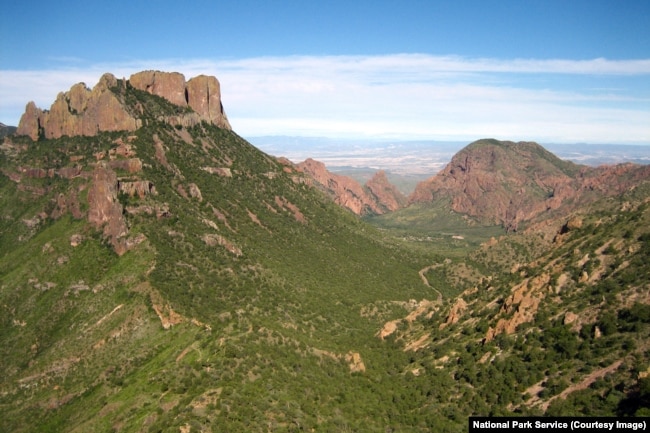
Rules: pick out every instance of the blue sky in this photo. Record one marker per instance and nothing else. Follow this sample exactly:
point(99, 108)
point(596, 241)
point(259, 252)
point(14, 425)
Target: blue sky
point(551, 71)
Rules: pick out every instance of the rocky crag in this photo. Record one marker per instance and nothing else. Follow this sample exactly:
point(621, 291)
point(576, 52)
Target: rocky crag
point(507, 183)
point(82, 111)
point(179, 264)
point(377, 196)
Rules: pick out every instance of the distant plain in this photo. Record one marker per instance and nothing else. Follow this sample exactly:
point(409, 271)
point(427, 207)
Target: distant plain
point(408, 162)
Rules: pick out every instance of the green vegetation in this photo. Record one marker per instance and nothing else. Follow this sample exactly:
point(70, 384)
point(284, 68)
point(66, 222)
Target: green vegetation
point(433, 227)
point(253, 303)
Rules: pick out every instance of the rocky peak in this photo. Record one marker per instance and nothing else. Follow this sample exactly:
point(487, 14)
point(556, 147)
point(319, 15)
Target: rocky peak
point(202, 93)
point(79, 111)
point(385, 192)
point(84, 111)
point(508, 183)
point(378, 196)
point(168, 85)
point(204, 97)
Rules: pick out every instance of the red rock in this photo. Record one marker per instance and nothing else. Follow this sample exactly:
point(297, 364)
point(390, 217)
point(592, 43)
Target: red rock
point(168, 85)
point(378, 197)
point(387, 195)
point(30, 121)
point(204, 96)
point(81, 111)
point(509, 183)
point(104, 209)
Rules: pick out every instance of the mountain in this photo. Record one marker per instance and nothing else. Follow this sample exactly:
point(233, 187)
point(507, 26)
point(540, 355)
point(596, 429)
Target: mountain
point(554, 325)
point(6, 130)
point(172, 276)
point(506, 183)
point(81, 111)
point(160, 273)
point(377, 196)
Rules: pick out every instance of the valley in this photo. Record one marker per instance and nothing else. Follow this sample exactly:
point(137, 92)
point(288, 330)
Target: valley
point(158, 272)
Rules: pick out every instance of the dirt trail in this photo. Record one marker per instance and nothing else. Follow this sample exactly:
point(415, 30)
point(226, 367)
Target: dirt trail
point(422, 273)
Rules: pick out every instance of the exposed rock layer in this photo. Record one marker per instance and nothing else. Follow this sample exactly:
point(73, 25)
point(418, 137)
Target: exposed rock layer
point(81, 111)
point(378, 196)
point(509, 183)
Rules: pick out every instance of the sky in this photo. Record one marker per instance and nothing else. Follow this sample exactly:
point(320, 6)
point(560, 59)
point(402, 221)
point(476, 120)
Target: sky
point(550, 71)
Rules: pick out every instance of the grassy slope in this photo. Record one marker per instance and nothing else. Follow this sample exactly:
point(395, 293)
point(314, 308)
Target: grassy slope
point(85, 350)
point(265, 337)
point(590, 365)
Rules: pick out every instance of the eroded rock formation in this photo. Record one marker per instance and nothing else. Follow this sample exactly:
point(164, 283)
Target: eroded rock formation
point(82, 111)
point(79, 111)
point(510, 183)
point(104, 209)
point(378, 196)
point(386, 194)
point(202, 94)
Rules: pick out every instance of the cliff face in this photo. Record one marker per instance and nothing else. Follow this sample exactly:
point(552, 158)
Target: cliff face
point(386, 194)
point(81, 111)
point(202, 94)
point(509, 183)
point(85, 112)
point(378, 196)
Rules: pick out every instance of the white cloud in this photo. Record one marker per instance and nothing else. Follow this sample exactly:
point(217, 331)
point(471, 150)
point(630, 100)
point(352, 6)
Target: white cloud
point(399, 96)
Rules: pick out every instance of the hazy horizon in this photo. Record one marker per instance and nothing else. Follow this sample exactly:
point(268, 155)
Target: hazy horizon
point(424, 157)
point(546, 72)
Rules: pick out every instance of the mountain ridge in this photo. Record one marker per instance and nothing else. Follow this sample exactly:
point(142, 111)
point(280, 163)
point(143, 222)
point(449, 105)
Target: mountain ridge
point(81, 111)
point(513, 183)
point(176, 278)
point(377, 196)
point(169, 276)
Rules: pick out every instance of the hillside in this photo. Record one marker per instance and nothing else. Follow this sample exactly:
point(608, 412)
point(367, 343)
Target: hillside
point(376, 197)
point(159, 273)
point(175, 275)
point(512, 184)
point(553, 325)
point(6, 130)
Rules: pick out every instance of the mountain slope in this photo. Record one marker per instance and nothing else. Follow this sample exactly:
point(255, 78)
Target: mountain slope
point(376, 197)
point(6, 130)
point(501, 182)
point(555, 326)
point(172, 277)
point(176, 276)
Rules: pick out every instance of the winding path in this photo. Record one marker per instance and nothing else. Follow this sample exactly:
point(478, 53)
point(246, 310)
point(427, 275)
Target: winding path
point(426, 282)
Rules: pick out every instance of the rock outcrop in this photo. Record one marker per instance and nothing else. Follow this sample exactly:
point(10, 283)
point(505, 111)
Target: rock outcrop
point(521, 306)
point(168, 85)
point(378, 196)
point(104, 208)
point(204, 97)
point(82, 111)
point(79, 111)
point(202, 94)
point(387, 195)
point(508, 183)
point(105, 211)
